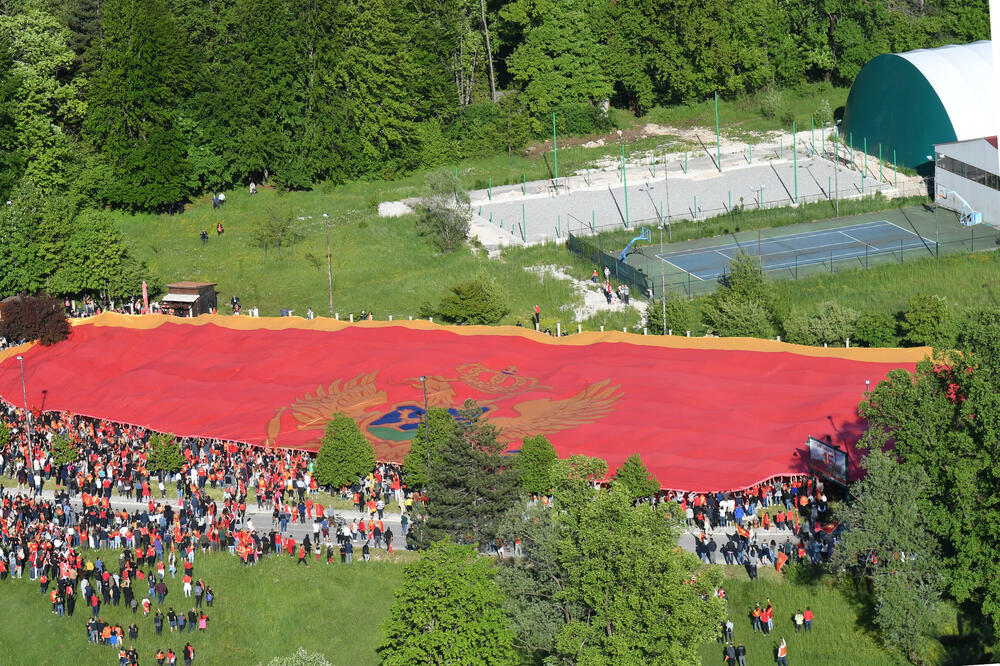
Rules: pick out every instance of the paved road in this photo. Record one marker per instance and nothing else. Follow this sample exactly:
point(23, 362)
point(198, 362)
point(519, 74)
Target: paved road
point(260, 520)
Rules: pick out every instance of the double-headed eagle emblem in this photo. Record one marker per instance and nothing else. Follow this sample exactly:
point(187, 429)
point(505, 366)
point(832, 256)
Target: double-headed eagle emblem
point(390, 427)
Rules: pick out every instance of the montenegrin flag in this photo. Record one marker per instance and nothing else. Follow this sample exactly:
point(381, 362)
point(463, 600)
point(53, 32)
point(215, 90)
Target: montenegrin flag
point(277, 382)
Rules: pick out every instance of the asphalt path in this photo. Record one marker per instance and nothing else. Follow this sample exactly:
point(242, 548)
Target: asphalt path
point(261, 521)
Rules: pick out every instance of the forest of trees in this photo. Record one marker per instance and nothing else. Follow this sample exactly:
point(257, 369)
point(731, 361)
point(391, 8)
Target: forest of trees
point(141, 104)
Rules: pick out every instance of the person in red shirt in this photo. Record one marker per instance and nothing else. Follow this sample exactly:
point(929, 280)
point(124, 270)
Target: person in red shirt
point(808, 618)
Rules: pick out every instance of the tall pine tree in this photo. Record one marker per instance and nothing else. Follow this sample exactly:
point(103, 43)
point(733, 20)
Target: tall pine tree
point(471, 483)
point(133, 117)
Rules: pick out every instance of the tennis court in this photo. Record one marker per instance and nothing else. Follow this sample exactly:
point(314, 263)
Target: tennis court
point(802, 249)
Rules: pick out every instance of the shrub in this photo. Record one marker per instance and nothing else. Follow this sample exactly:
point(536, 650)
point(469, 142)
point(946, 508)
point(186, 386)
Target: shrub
point(534, 462)
point(739, 318)
point(833, 325)
point(875, 329)
point(481, 300)
point(29, 318)
point(581, 118)
point(823, 113)
point(444, 215)
point(928, 321)
point(672, 313)
point(770, 103)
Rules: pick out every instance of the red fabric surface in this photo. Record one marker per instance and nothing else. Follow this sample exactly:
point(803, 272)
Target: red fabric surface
point(702, 419)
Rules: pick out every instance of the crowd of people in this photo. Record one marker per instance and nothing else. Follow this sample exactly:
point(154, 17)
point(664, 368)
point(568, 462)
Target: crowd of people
point(159, 540)
point(177, 517)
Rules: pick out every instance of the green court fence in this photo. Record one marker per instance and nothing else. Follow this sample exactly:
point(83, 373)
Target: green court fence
point(591, 250)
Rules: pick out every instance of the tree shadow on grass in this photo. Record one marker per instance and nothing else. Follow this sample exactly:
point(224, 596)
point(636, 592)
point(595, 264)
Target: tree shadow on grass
point(861, 596)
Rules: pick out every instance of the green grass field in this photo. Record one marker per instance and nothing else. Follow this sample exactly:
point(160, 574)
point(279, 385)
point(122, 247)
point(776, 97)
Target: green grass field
point(380, 265)
point(273, 609)
point(259, 614)
point(842, 633)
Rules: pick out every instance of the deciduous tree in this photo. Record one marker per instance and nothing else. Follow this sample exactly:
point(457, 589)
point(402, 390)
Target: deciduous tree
point(448, 610)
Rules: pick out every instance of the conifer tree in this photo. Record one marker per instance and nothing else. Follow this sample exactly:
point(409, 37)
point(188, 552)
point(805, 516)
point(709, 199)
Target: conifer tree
point(636, 479)
point(471, 483)
point(344, 455)
point(132, 118)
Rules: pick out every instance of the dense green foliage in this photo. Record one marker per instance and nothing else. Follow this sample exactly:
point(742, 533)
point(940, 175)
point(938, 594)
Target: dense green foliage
point(449, 610)
point(345, 453)
point(470, 484)
point(424, 445)
point(602, 580)
point(944, 422)
point(164, 454)
point(636, 479)
point(884, 520)
point(63, 452)
point(744, 303)
point(534, 464)
point(146, 104)
point(481, 300)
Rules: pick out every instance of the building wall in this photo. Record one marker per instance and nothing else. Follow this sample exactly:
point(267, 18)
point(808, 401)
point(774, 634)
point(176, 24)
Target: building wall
point(984, 197)
point(891, 103)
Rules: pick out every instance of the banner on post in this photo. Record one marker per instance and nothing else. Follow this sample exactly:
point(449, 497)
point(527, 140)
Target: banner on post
point(828, 461)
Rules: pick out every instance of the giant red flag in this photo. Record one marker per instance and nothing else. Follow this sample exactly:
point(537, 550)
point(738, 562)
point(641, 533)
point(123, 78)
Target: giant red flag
point(704, 414)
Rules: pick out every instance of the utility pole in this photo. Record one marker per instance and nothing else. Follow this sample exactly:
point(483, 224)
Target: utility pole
point(836, 166)
point(27, 412)
point(663, 292)
point(329, 261)
point(427, 427)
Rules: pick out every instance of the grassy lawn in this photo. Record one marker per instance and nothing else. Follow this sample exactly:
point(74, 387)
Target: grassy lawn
point(742, 117)
point(380, 265)
point(842, 632)
point(258, 614)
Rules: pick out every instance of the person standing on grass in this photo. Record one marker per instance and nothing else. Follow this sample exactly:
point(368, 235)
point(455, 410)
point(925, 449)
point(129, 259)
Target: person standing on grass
point(782, 653)
point(755, 618)
point(799, 618)
point(741, 655)
point(188, 654)
point(365, 553)
point(538, 315)
point(807, 618)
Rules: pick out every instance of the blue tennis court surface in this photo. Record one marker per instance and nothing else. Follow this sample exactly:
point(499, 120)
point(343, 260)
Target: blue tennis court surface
point(803, 249)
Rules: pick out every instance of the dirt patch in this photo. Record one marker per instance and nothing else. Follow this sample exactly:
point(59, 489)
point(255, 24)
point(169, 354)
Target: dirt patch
point(591, 297)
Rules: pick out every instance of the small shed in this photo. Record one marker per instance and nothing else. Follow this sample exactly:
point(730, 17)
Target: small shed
point(189, 299)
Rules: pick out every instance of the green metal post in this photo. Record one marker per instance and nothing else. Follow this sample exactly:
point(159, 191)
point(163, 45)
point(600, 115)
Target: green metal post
point(879, 162)
point(829, 187)
point(812, 134)
point(718, 143)
point(654, 166)
point(894, 169)
point(593, 227)
point(795, 165)
point(555, 149)
point(489, 192)
point(523, 225)
point(625, 184)
point(865, 144)
point(694, 212)
point(730, 201)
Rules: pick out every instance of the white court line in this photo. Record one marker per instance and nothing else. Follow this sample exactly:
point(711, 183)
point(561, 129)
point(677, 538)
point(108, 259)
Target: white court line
point(682, 270)
point(804, 234)
point(926, 240)
point(856, 240)
point(839, 256)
